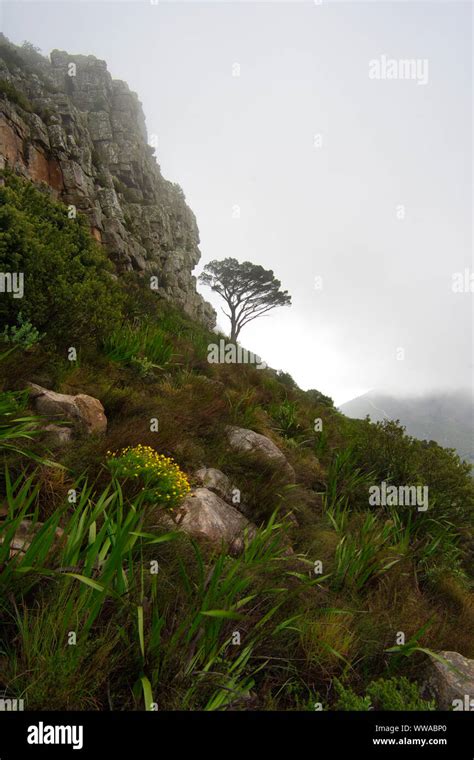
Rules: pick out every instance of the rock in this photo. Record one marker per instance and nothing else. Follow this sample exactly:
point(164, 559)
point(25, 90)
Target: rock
point(99, 126)
point(241, 439)
point(450, 681)
point(24, 535)
point(57, 138)
point(203, 514)
point(57, 435)
point(86, 133)
point(216, 481)
point(86, 412)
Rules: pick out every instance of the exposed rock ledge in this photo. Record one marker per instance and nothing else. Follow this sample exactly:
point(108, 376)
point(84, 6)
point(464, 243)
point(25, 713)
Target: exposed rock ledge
point(85, 137)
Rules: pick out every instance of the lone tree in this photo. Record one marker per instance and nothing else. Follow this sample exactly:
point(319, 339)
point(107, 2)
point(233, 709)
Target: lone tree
point(248, 289)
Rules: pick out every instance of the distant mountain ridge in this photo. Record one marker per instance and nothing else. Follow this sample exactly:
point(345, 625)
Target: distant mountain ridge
point(446, 418)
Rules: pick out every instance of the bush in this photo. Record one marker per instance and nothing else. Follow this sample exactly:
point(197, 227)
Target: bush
point(348, 701)
point(286, 419)
point(384, 452)
point(384, 694)
point(68, 291)
point(286, 379)
point(24, 334)
point(142, 366)
point(10, 54)
point(316, 397)
point(163, 481)
point(14, 95)
point(397, 694)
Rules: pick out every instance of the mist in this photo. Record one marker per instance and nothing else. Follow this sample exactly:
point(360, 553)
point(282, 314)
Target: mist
point(355, 190)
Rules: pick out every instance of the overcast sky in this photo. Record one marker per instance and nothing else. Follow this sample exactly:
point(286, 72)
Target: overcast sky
point(365, 183)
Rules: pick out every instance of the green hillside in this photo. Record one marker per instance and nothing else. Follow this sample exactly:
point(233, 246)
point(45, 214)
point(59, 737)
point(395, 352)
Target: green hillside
point(110, 605)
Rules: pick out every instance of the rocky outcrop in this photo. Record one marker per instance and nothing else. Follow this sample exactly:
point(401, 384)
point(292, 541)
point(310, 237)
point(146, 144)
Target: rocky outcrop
point(241, 439)
point(65, 122)
point(85, 412)
point(215, 480)
point(203, 514)
point(451, 681)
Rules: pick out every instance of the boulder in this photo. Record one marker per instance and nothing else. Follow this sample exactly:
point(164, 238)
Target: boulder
point(451, 683)
point(216, 481)
point(57, 435)
point(241, 439)
point(203, 514)
point(86, 412)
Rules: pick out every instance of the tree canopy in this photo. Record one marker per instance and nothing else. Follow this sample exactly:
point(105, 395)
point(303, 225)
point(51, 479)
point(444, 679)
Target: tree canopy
point(248, 289)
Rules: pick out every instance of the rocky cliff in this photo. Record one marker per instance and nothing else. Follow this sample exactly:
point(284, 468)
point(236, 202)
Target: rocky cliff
point(65, 122)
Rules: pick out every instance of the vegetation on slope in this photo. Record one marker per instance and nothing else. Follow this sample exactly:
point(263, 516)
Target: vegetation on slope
point(124, 612)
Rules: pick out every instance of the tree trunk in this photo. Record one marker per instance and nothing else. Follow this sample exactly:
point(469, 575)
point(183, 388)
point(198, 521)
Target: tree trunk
point(234, 329)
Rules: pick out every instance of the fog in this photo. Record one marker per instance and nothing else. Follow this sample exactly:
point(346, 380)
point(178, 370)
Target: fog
point(298, 152)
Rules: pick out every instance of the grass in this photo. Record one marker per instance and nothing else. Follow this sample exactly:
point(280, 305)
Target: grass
point(128, 342)
point(207, 631)
point(15, 95)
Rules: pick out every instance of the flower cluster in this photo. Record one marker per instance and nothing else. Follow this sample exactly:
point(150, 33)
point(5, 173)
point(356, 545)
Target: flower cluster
point(163, 481)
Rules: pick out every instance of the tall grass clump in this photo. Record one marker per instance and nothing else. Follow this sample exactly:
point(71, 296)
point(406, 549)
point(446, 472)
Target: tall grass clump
point(146, 341)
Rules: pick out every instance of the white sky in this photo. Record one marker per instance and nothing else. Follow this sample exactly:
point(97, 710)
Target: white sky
point(306, 211)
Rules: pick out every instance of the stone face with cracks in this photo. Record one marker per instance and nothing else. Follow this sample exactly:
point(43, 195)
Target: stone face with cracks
point(241, 439)
point(85, 137)
point(203, 514)
point(451, 682)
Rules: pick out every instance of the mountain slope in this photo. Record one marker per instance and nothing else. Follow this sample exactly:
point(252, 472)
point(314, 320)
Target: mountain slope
point(205, 530)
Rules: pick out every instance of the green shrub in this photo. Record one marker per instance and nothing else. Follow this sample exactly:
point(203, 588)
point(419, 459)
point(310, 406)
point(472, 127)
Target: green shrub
point(68, 291)
point(397, 694)
point(16, 96)
point(10, 54)
point(383, 694)
point(24, 335)
point(142, 366)
point(383, 452)
point(348, 701)
point(286, 419)
point(317, 397)
point(286, 379)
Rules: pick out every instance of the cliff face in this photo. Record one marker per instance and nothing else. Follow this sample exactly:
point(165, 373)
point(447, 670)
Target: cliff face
point(67, 123)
